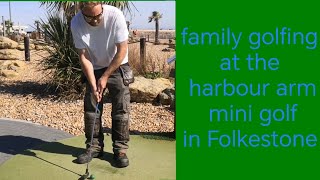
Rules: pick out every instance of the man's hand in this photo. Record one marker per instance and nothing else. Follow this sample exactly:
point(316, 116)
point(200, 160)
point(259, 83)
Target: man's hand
point(122, 49)
point(96, 95)
point(101, 85)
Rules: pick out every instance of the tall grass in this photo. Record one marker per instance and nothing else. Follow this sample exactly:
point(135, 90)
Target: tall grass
point(155, 64)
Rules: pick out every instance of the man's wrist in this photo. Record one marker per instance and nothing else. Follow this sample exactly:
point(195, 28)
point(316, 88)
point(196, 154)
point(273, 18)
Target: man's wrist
point(105, 76)
point(93, 88)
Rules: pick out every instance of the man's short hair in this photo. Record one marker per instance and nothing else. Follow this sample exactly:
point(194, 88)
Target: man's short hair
point(85, 4)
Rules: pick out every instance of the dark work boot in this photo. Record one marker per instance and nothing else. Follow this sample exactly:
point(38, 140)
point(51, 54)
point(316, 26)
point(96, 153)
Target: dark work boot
point(121, 160)
point(85, 157)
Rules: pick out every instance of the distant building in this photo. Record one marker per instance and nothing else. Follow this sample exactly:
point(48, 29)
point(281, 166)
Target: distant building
point(16, 29)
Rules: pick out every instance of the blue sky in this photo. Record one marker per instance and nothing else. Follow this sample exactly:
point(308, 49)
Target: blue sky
point(27, 12)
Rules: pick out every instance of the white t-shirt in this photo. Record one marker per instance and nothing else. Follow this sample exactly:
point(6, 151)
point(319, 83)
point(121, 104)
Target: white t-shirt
point(100, 41)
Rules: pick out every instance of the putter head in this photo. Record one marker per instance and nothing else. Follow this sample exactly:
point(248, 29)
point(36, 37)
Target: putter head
point(85, 176)
point(91, 177)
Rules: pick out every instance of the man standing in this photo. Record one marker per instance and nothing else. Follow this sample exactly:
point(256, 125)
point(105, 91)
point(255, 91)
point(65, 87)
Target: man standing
point(100, 34)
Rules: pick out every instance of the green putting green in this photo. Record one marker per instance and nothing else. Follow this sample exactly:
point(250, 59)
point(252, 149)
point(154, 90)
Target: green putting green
point(150, 159)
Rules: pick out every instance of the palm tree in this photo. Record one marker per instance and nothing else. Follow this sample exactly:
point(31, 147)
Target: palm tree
point(37, 24)
point(155, 17)
point(71, 7)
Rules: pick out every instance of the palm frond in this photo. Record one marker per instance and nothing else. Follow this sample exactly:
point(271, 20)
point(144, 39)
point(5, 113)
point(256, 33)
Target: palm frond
point(69, 7)
point(57, 5)
point(150, 19)
point(155, 16)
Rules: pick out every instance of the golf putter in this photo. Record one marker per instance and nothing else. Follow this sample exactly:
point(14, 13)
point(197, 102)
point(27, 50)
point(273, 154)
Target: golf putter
point(87, 174)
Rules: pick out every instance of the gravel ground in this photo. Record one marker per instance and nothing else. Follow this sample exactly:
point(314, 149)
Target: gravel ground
point(23, 98)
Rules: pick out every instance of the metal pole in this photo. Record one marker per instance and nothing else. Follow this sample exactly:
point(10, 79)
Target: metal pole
point(26, 48)
point(10, 11)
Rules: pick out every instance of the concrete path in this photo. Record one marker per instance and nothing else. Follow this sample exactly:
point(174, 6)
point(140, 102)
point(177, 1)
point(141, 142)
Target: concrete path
point(18, 135)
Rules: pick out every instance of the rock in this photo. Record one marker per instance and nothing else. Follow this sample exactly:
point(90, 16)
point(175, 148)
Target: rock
point(32, 46)
point(172, 46)
point(8, 73)
point(164, 99)
point(12, 67)
point(3, 67)
point(6, 43)
point(172, 73)
point(39, 47)
point(146, 90)
point(166, 96)
point(10, 54)
point(20, 47)
point(173, 104)
point(19, 63)
point(5, 63)
point(168, 50)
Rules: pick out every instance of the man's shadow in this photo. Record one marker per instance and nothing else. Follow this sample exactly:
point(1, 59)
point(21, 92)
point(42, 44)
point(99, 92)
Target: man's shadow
point(14, 145)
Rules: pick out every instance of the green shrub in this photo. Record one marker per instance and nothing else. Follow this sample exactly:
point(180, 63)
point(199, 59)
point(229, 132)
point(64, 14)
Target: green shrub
point(63, 61)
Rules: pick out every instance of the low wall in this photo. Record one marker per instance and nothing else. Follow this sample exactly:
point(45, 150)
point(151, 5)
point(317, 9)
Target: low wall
point(163, 34)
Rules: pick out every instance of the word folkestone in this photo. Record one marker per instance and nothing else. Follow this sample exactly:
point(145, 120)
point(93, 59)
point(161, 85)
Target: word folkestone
point(238, 139)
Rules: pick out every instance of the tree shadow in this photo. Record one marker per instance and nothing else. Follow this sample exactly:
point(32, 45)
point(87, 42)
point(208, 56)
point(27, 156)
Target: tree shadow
point(35, 89)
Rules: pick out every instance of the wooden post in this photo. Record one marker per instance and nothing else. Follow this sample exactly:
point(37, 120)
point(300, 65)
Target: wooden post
point(26, 48)
point(143, 53)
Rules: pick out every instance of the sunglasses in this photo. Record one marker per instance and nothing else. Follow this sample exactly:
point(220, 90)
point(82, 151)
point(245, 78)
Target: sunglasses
point(91, 18)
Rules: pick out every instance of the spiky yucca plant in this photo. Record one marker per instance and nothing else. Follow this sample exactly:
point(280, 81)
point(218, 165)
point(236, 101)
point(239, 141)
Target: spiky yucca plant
point(63, 61)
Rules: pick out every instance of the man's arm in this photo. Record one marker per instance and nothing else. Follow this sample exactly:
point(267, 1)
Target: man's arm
point(122, 49)
point(117, 60)
point(87, 69)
